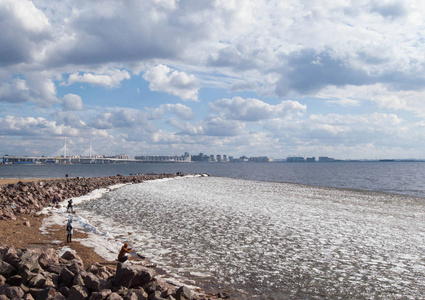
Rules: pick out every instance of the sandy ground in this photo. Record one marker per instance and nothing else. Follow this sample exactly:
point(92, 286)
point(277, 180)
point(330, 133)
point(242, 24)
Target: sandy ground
point(15, 233)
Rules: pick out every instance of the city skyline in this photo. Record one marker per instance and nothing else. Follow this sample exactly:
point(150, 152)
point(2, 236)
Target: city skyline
point(278, 78)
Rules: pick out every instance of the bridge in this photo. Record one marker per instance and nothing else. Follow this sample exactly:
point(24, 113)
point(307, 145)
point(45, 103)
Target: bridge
point(61, 157)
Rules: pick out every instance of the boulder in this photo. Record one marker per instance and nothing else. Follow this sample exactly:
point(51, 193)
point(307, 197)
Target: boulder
point(92, 282)
point(46, 294)
point(131, 276)
point(78, 292)
point(136, 294)
point(6, 269)
point(66, 277)
point(13, 292)
point(183, 293)
point(15, 280)
point(102, 294)
point(114, 296)
point(37, 282)
point(48, 258)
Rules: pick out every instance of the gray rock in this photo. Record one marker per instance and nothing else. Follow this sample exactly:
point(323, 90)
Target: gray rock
point(15, 280)
point(155, 296)
point(114, 296)
point(78, 292)
point(6, 269)
point(14, 292)
point(136, 294)
point(46, 294)
point(66, 277)
point(37, 282)
point(48, 258)
point(102, 294)
point(133, 275)
point(183, 293)
point(92, 282)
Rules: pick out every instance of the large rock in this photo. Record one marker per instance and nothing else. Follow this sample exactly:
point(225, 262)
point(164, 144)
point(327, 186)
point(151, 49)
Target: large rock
point(78, 292)
point(6, 269)
point(66, 277)
point(103, 294)
point(14, 292)
point(133, 276)
point(48, 258)
point(183, 293)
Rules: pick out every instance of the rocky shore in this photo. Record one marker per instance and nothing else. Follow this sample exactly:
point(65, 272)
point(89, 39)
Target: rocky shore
point(29, 197)
point(37, 272)
point(40, 273)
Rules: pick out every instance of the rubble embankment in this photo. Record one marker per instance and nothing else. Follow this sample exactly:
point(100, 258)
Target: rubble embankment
point(30, 197)
point(39, 273)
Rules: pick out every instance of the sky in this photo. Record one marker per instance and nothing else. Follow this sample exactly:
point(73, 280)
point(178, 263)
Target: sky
point(343, 79)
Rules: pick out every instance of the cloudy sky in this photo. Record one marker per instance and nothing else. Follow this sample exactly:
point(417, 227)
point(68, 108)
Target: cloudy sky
point(343, 79)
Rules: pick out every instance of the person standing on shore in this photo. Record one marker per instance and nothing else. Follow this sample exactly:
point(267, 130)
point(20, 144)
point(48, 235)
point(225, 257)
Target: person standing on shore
point(122, 256)
point(70, 206)
point(55, 201)
point(69, 231)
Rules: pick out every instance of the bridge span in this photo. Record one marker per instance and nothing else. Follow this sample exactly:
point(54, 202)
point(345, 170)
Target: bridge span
point(65, 160)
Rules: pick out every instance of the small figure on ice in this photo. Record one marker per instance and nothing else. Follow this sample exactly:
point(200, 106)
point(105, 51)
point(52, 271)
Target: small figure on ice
point(70, 207)
point(69, 231)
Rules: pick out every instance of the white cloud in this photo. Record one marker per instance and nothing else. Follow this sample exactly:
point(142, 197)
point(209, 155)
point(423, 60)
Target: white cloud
point(163, 79)
point(30, 126)
point(25, 31)
point(110, 79)
point(253, 110)
point(120, 118)
point(180, 110)
point(72, 102)
point(36, 88)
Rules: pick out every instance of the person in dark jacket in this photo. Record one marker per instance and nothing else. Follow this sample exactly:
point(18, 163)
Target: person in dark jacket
point(69, 231)
point(122, 257)
point(70, 206)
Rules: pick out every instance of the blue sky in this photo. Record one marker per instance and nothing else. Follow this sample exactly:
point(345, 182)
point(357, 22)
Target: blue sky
point(343, 79)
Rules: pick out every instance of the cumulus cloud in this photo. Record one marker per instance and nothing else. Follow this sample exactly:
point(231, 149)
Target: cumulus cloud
point(180, 110)
point(30, 126)
point(119, 118)
point(25, 31)
point(253, 110)
point(163, 79)
point(72, 102)
point(110, 79)
point(37, 89)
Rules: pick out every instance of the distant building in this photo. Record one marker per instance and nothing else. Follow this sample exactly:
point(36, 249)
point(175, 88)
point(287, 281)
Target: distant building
point(161, 158)
point(311, 159)
point(260, 159)
point(326, 159)
point(295, 159)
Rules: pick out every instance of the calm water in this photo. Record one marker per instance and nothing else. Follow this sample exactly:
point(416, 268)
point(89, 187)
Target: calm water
point(394, 177)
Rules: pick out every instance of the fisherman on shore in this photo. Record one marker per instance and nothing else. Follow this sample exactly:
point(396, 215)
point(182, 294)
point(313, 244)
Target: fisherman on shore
point(70, 206)
point(69, 231)
point(122, 256)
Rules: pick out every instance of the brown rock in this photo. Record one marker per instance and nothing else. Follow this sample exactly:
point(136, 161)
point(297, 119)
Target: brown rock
point(13, 292)
point(78, 292)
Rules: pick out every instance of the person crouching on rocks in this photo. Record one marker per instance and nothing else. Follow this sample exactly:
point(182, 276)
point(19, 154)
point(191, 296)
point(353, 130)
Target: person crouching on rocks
point(122, 256)
point(70, 206)
point(69, 231)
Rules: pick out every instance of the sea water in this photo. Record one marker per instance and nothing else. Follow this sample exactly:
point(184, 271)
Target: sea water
point(262, 239)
